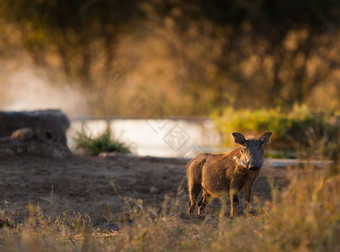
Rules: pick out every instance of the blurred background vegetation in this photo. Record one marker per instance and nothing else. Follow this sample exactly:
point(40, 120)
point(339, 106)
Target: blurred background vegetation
point(301, 132)
point(183, 58)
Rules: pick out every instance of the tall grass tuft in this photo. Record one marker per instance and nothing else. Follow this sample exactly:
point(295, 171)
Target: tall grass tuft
point(303, 217)
point(104, 142)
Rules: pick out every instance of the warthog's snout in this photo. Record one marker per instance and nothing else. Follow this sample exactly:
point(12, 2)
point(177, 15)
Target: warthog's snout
point(247, 165)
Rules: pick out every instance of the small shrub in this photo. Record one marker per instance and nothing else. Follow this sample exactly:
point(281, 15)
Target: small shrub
point(299, 129)
point(102, 143)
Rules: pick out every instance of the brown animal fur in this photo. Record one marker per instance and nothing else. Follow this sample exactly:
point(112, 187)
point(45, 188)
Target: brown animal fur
point(220, 175)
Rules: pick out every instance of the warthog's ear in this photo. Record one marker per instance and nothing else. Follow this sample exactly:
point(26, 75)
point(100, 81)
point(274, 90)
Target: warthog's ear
point(265, 137)
point(239, 138)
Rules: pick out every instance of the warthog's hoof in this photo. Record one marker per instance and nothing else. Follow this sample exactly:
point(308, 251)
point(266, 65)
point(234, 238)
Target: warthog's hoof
point(191, 216)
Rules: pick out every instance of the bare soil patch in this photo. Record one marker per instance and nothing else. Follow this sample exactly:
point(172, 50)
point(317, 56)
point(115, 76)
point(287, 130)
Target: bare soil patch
point(94, 185)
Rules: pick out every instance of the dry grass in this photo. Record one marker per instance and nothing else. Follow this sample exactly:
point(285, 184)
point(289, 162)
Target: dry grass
point(303, 217)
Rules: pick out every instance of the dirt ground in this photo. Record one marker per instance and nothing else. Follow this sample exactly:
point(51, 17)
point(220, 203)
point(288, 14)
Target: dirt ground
point(99, 186)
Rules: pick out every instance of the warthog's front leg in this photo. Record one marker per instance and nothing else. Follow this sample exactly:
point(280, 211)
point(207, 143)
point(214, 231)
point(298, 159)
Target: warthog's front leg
point(233, 199)
point(247, 195)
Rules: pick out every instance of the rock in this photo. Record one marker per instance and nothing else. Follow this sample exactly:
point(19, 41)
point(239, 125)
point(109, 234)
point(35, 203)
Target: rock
point(40, 133)
point(116, 154)
point(52, 123)
point(32, 144)
point(153, 190)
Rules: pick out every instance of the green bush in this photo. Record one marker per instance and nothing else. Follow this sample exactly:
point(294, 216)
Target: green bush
point(299, 129)
point(102, 143)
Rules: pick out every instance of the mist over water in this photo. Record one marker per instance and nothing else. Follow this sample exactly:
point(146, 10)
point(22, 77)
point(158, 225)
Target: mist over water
point(25, 89)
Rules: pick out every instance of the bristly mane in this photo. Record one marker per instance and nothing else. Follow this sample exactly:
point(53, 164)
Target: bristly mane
point(252, 137)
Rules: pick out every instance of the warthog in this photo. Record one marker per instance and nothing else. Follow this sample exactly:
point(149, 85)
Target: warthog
point(221, 174)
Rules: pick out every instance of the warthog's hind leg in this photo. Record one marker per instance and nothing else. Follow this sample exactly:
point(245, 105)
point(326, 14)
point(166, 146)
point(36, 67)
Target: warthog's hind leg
point(194, 191)
point(203, 202)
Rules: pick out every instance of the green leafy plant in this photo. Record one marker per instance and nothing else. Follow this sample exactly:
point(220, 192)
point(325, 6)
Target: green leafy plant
point(104, 142)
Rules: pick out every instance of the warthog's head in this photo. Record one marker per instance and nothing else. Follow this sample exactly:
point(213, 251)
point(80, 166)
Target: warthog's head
point(251, 157)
